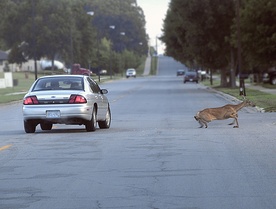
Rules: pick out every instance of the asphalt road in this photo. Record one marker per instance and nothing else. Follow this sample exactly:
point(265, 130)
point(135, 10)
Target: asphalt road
point(153, 156)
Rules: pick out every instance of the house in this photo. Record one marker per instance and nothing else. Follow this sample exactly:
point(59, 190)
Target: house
point(29, 65)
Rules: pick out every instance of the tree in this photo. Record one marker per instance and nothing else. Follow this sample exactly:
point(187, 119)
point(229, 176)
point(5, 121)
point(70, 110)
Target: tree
point(258, 31)
point(63, 30)
point(198, 30)
point(123, 23)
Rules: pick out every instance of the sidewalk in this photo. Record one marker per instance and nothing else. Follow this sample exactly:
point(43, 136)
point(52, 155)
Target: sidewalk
point(260, 88)
point(147, 66)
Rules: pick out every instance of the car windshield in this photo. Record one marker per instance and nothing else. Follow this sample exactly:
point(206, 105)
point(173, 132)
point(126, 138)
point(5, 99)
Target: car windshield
point(58, 83)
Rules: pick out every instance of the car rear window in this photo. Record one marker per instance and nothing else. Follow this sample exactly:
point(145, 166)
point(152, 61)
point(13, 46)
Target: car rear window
point(191, 73)
point(58, 83)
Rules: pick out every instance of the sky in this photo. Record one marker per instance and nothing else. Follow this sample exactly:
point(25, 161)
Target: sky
point(155, 12)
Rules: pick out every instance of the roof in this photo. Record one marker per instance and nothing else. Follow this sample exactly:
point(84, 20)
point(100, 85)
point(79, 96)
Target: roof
point(62, 75)
point(3, 55)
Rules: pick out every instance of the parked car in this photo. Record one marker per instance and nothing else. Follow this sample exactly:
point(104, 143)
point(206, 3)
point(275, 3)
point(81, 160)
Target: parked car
point(131, 72)
point(270, 76)
point(77, 70)
point(191, 76)
point(180, 72)
point(66, 99)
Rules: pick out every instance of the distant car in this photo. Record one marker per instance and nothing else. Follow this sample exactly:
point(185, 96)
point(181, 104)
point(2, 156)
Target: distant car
point(270, 76)
point(180, 72)
point(131, 73)
point(65, 99)
point(191, 76)
point(77, 70)
point(103, 72)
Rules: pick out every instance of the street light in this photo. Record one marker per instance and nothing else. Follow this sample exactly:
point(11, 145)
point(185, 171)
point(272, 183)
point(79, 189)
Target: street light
point(121, 49)
point(110, 54)
point(91, 13)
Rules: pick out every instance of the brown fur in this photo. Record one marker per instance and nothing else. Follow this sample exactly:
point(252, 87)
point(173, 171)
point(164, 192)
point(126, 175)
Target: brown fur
point(221, 113)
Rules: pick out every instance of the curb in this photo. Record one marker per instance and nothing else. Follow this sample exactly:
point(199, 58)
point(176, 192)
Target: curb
point(235, 100)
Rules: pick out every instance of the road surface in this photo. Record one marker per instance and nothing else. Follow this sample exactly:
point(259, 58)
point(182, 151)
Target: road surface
point(153, 156)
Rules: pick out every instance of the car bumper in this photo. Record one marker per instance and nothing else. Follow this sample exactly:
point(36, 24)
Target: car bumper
point(191, 80)
point(67, 113)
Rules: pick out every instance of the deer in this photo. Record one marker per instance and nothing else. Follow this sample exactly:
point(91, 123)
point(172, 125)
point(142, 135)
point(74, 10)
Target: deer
point(221, 113)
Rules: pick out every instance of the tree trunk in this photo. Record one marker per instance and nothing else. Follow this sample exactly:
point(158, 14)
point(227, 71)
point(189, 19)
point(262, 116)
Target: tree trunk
point(223, 78)
point(53, 64)
point(232, 70)
point(211, 77)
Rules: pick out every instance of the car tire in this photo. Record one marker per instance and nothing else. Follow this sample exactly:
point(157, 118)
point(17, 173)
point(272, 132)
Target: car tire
point(46, 126)
point(29, 127)
point(106, 123)
point(91, 124)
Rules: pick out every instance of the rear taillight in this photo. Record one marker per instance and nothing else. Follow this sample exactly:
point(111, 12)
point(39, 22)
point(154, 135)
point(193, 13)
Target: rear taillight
point(31, 100)
point(77, 99)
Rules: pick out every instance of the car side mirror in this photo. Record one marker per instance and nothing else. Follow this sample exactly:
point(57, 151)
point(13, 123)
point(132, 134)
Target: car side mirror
point(104, 91)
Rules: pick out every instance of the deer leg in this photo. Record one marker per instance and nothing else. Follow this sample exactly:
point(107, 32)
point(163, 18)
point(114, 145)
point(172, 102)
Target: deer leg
point(202, 123)
point(237, 126)
point(232, 122)
point(236, 120)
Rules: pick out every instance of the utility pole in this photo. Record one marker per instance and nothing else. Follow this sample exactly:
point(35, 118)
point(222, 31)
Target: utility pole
point(242, 87)
point(156, 45)
point(34, 38)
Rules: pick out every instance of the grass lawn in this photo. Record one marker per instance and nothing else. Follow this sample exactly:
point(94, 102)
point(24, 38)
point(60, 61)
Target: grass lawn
point(17, 92)
point(261, 99)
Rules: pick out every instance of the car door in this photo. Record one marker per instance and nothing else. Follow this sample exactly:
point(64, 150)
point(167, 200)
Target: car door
point(101, 100)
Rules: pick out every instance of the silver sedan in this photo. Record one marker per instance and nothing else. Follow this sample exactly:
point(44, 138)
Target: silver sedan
point(66, 99)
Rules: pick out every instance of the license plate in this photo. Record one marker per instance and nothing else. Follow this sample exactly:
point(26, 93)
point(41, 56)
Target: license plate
point(52, 114)
point(191, 79)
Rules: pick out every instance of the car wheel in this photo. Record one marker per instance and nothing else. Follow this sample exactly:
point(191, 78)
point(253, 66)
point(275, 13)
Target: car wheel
point(46, 126)
point(107, 121)
point(92, 124)
point(29, 127)
point(273, 80)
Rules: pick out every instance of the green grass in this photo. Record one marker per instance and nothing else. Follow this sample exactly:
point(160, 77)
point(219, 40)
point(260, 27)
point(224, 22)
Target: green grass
point(269, 86)
point(141, 67)
point(261, 99)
